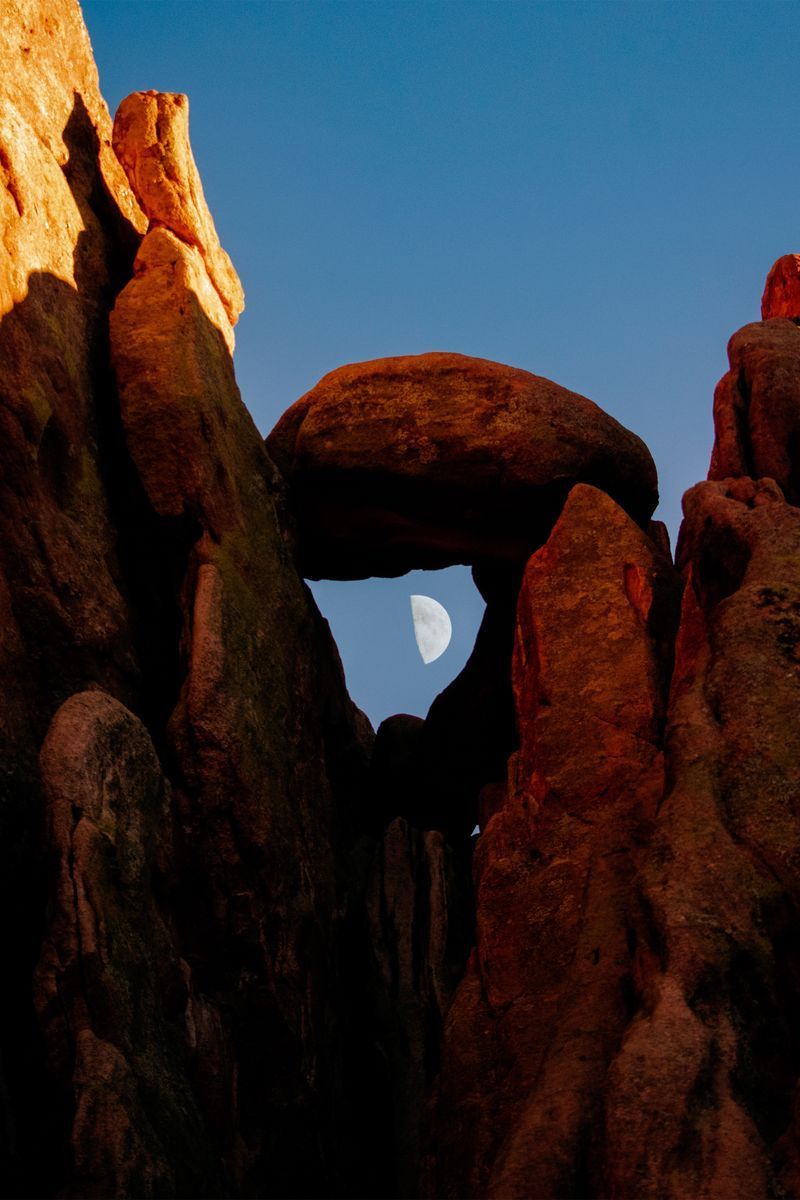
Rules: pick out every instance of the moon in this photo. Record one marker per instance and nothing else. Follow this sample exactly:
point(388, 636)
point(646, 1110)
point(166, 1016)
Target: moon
point(432, 627)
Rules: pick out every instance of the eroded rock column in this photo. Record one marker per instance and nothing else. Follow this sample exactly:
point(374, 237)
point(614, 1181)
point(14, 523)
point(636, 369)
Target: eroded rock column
point(700, 1099)
point(269, 752)
point(548, 990)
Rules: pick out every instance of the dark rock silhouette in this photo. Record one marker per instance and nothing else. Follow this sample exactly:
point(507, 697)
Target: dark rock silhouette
point(250, 948)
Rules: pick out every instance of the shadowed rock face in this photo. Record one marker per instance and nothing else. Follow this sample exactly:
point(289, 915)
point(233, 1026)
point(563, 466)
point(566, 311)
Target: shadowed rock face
point(69, 225)
point(700, 1097)
point(543, 1007)
point(419, 918)
point(436, 459)
point(626, 1024)
point(261, 839)
point(198, 1029)
point(111, 992)
point(244, 955)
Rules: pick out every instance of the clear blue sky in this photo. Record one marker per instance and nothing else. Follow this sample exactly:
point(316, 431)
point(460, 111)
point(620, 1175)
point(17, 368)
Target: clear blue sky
point(593, 192)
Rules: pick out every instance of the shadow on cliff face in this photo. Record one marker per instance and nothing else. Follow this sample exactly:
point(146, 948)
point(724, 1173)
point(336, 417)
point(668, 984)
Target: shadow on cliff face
point(90, 602)
point(267, 762)
point(92, 588)
point(101, 590)
point(100, 593)
point(149, 556)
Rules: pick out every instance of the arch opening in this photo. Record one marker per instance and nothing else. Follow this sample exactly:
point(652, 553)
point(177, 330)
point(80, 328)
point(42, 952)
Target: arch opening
point(372, 626)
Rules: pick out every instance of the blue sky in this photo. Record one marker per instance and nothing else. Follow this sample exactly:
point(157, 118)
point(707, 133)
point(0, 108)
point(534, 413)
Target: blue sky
point(593, 192)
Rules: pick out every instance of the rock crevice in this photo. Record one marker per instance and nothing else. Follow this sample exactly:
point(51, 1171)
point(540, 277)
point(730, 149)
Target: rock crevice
point(251, 948)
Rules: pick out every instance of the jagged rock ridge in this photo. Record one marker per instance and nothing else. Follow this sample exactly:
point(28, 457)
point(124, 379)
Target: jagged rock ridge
point(250, 948)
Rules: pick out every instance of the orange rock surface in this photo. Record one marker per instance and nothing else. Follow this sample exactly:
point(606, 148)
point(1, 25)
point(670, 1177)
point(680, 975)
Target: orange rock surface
point(757, 407)
point(262, 833)
point(124, 590)
point(70, 225)
point(543, 1006)
point(151, 140)
point(782, 290)
point(435, 459)
point(243, 954)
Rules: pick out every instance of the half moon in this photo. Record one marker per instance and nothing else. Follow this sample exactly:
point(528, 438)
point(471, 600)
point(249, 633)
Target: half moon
point(432, 627)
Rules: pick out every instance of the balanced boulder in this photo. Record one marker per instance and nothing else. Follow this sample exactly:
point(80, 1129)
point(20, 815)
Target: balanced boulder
point(433, 459)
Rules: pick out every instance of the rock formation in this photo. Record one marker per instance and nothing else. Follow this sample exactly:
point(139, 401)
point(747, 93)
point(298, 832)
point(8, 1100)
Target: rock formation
point(782, 290)
point(699, 1100)
point(259, 830)
point(626, 1024)
point(546, 997)
point(110, 990)
point(151, 141)
point(757, 407)
point(251, 949)
point(436, 459)
point(194, 1030)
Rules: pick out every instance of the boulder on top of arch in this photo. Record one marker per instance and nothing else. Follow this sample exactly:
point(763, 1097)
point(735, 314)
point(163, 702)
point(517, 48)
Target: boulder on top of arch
point(429, 460)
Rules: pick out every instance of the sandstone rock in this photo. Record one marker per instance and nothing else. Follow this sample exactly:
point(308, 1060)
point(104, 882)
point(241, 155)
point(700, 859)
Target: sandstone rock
point(659, 536)
point(435, 459)
point(212, 1029)
point(271, 754)
point(700, 1098)
point(542, 1008)
point(782, 290)
point(59, 176)
point(428, 775)
point(195, 454)
point(69, 227)
point(151, 140)
point(757, 407)
point(109, 986)
point(241, 974)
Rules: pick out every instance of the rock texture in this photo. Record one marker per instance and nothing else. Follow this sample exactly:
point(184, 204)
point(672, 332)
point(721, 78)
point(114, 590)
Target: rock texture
point(545, 1000)
point(260, 838)
point(418, 908)
point(194, 1031)
point(69, 225)
point(151, 140)
point(435, 459)
point(110, 989)
point(626, 1024)
point(702, 1094)
point(782, 290)
point(246, 951)
point(757, 407)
